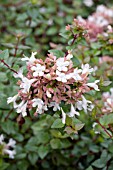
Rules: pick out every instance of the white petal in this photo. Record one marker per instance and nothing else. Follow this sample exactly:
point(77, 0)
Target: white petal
point(63, 116)
point(73, 112)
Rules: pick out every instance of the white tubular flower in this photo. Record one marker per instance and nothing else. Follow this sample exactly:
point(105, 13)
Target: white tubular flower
point(37, 102)
point(94, 85)
point(12, 99)
point(69, 56)
point(41, 109)
point(12, 143)
point(48, 94)
point(1, 138)
point(85, 104)
point(101, 8)
point(86, 69)
point(62, 64)
point(31, 59)
point(88, 3)
point(6, 147)
point(79, 105)
point(104, 10)
point(19, 74)
point(11, 153)
point(45, 108)
point(94, 124)
point(38, 70)
point(21, 108)
point(61, 76)
point(109, 101)
point(76, 75)
point(90, 107)
point(101, 21)
point(55, 106)
point(91, 19)
point(73, 112)
point(94, 127)
point(26, 84)
point(63, 116)
point(40, 105)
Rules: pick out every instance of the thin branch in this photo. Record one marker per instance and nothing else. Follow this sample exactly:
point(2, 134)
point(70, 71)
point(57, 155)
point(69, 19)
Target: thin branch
point(2, 61)
point(16, 47)
point(75, 37)
point(8, 114)
point(105, 130)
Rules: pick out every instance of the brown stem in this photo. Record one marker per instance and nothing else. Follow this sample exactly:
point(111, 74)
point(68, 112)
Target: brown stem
point(2, 61)
point(16, 47)
point(75, 36)
point(8, 114)
point(105, 130)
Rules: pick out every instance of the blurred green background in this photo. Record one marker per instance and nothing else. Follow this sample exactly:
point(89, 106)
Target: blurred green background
point(27, 26)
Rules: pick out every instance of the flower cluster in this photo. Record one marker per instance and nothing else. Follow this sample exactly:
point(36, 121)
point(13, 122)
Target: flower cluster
point(108, 101)
point(50, 82)
point(7, 148)
point(98, 21)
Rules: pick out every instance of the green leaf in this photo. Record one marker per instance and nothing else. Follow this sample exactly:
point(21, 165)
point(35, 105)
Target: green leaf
point(9, 45)
point(19, 137)
point(76, 62)
point(106, 119)
point(39, 125)
point(33, 157)
point(22, 165)
point(57, 53)
point(21, 156)
point(101, 163)
point(56, 133)
point(65, 143)
point(43, 137)
point(96, 45)
point(23, 47)
point(43, 151)
point(65, 34)
point(79, 126)
point(55, 143)
point(89, 168)
point(4, 54)
point(57, 124)
point(9, 127)
point(51, 31)
point(3, 165)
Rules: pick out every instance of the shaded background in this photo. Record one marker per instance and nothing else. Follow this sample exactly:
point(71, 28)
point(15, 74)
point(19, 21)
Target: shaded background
point(27, 26)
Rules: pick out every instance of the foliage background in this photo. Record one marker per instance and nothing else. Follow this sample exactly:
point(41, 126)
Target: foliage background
point(38, 23)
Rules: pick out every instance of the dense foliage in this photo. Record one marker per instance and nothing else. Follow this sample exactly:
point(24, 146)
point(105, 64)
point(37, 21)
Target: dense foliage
point(77, 132)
